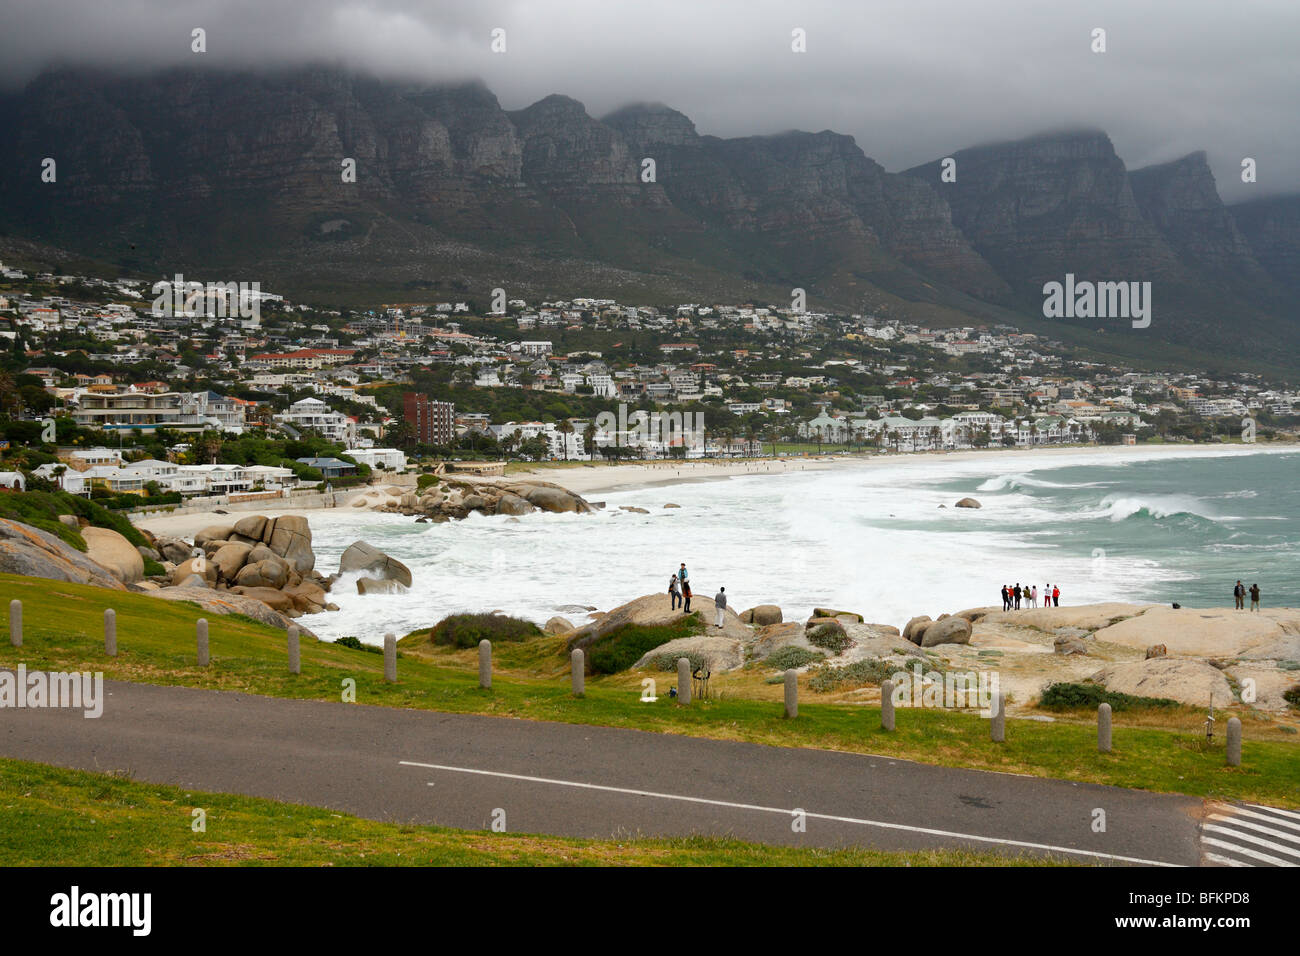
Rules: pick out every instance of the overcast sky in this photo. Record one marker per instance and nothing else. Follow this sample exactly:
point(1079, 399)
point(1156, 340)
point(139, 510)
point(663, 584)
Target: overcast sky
point(911, 80)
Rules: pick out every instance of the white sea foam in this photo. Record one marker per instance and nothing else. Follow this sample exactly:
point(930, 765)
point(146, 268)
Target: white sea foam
point(872, 540)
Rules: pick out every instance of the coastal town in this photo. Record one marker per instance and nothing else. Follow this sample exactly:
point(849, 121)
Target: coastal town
point(143, 388)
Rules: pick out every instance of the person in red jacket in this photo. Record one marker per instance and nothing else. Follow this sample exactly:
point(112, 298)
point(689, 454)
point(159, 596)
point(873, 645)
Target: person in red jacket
point(1056, 596)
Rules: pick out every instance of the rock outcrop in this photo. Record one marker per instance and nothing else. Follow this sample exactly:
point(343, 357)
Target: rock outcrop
point(229, 602)
point(258, 558)
point(36, 553)
point(1187, 681)
point(455, 498)
point(375, 564)
point(762, 615)
point(950, 630)
point(111, 550)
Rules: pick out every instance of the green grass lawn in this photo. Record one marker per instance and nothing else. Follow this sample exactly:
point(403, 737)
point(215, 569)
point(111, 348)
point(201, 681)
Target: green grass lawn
point(57, 817)
point(63, 631)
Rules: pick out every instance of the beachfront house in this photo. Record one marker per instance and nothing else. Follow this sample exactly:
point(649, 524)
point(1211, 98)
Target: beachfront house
point(330, 467)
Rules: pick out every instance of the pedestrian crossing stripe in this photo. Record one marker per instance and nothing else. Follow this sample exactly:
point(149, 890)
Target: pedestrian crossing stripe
point(1250, 835)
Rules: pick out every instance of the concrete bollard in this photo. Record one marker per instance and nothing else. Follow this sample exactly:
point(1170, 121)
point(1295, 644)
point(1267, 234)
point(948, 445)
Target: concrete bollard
point(1103, 728)
point(295, 650)
point(1234, 742)
point(485, 664)
point(887, 705)
point(110, 632)
point(201, 628)
point(791, 693)
point(578, 672)
point(390, 658)
point(998, 725)
point(16, 622)
point(683, 680)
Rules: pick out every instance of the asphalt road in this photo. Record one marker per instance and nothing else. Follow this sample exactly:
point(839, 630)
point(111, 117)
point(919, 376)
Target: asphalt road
point(591, 782)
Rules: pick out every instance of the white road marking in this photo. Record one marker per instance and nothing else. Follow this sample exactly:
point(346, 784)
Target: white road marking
point(1285, 813)
point(1224, 860)
point(789, 813)
point(1238, 835)
point(1241, 849)
point(1238, 821)
point(1238, 812)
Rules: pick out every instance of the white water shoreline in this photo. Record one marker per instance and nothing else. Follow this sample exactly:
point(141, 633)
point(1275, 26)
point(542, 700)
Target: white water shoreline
point(597, 479)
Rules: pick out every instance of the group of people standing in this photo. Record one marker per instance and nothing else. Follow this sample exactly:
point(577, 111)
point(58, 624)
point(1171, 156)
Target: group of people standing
point(1239, 596)
point(679, 592)
point(1014, 595)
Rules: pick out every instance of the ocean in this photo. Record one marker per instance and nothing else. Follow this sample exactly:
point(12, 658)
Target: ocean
point(883, 539)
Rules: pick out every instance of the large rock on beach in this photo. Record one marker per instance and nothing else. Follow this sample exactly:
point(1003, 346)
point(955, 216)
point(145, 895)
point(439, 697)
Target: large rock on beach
point(36, 553)
point(366, 558)
point(251, 527)
point(762, 615)
point(968, 503)
point(174, 550)
point(213, 532)
point(289, 536)
point(915, 628)
point(557, 625)
point(199, 567)
point(270, 573)
point(111, 550)
point(950, 630)
point(229, 558)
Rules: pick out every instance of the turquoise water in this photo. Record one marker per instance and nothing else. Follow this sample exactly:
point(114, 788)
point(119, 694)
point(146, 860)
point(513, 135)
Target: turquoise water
point(1182, 529)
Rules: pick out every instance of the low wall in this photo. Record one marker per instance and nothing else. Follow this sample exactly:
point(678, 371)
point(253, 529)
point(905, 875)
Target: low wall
point(336, 499)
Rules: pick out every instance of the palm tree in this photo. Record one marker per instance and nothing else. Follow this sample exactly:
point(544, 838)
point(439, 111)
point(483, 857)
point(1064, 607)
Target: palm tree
point(589, 439)
point(565, 429)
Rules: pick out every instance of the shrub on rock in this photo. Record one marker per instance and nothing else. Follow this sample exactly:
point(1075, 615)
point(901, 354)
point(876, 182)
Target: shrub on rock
point(466, 630)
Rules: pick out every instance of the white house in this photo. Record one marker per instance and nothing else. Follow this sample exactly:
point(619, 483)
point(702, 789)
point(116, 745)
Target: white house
point(389, 459)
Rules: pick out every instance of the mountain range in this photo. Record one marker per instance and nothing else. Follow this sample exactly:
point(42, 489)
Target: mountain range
point(239, 176)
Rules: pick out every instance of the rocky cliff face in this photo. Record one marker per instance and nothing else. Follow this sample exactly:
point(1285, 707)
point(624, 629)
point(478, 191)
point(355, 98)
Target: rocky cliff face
point(241, 172)
point(1272, 227)
point(1182, 201)
point(1040, 207)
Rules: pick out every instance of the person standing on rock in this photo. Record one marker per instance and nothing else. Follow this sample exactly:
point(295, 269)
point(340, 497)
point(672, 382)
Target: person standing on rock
point(1006, 597)
point(674, 591)
point(1056, 596)
point(686, 596)
point(683, 575)
point(1033, 596)
point(720, 604)
point(1017, 593)
point(1254, 597)
point(1239, 596)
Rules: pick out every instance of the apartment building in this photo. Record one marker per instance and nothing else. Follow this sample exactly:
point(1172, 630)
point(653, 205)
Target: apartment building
point(432, 422)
